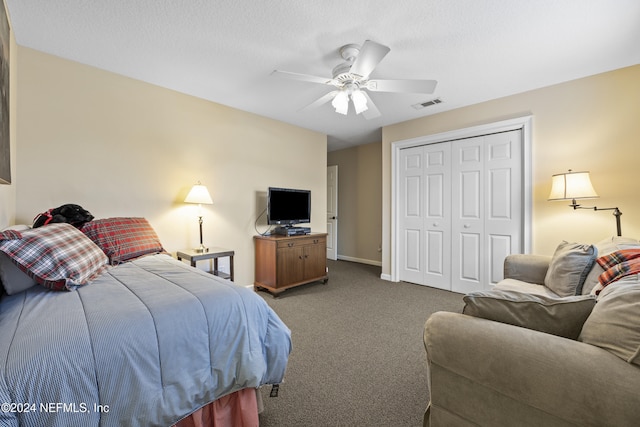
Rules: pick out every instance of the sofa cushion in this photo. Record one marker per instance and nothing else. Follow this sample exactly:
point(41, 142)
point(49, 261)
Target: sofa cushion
point(613, 325)
point(558, 316)
point(525, 287)
point(605, 247)
point(569, 267)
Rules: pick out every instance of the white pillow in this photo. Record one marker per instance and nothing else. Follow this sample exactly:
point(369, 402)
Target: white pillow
point(17, 227)
point(12, 278)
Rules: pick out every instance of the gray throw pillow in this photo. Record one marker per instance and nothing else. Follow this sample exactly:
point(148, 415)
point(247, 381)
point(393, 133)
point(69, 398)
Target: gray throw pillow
point(613, 325)
point(12, 278)
point(563, 317)
point(569, 268)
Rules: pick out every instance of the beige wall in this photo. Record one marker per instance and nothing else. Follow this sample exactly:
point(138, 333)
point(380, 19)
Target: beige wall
point(587, 124)
point(359, 202)
point(121, 147)
point(8, 191)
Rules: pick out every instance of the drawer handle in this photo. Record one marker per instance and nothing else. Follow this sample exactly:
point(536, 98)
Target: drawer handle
point(290, 244)
point(315, 241)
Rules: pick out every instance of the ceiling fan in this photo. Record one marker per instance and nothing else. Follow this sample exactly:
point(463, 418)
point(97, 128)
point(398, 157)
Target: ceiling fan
point(351, 80)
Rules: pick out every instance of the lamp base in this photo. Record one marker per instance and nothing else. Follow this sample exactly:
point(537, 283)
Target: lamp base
point(201, 249)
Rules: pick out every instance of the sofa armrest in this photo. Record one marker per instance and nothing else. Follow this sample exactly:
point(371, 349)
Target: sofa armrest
point(488, 373)
point(526, 267)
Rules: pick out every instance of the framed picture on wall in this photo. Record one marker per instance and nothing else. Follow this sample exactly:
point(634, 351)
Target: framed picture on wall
point(5, 142)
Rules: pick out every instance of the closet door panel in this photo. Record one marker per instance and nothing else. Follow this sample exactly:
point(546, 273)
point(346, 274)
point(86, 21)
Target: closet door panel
point(411, 215)
point(467, 174)
point(503, 223)
point(437, 224)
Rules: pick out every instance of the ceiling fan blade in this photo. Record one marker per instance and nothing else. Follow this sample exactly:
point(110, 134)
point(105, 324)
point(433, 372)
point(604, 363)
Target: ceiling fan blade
point(370, 55)
point(303, 77)
point(372, 111)
point(406, 86)
point(320, 101)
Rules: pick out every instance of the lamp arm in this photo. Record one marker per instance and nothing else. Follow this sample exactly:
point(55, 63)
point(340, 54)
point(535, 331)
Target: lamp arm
point(616, 213)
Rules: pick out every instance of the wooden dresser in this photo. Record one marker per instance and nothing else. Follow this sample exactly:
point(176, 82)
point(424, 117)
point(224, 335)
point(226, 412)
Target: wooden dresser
point(283, 262)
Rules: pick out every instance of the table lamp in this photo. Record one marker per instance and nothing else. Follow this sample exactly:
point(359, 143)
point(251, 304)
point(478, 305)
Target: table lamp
point(200, 195)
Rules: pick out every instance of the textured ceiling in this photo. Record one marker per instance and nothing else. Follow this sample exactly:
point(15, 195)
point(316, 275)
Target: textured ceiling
point(225, 50)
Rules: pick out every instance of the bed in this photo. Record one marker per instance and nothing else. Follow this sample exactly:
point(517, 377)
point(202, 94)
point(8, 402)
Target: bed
point(134, 340)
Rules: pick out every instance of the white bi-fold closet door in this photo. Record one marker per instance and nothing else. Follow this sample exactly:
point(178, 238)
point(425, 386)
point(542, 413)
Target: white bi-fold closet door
point(460, 210)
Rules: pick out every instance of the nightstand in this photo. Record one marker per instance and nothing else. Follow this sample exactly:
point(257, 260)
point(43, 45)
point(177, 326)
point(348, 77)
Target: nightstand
point(213, 253)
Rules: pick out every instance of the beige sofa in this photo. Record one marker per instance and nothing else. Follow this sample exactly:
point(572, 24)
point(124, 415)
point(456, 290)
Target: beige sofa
point(569, 360)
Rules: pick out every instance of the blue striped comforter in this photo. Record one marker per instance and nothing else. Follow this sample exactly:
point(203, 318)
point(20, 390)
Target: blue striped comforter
point(145, 344)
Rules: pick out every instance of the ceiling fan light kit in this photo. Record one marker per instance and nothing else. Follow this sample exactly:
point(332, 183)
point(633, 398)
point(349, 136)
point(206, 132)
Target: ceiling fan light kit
point(359, 101)
point(341, 102)
point(351, 78)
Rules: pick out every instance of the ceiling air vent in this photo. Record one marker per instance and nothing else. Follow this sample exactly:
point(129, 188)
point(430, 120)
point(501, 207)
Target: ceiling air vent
point(421, 105)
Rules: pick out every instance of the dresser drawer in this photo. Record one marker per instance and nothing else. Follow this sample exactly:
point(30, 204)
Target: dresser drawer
point(301, 241)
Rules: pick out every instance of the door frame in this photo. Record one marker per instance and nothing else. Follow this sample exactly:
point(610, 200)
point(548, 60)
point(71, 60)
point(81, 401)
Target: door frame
point(523, 123)
point(333, 255)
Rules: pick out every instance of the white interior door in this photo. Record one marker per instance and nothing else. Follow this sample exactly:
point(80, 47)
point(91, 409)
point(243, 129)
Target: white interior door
point(504, 222)
point(437, 221)
point(425, 215)
point(468, 214)
point(487, 208)
point(332, 212)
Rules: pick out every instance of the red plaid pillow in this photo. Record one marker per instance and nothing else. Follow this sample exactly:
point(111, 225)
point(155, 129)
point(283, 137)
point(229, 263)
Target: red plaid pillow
point(57, 256)
point(617, 265)
point(122, 239)
point(617, 257)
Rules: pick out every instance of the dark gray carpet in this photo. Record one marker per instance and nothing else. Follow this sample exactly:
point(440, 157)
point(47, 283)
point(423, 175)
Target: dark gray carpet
point(358, 357)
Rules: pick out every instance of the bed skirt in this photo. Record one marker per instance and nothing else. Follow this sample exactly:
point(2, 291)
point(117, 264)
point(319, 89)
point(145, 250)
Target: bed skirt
point(236, 409)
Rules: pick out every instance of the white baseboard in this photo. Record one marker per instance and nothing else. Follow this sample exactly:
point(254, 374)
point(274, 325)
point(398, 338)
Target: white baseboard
point(386, 277)
point(360, 260)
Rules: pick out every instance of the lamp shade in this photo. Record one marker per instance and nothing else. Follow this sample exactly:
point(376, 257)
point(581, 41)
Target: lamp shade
point(341, 102)
point(359, 101)
point(199, 194)
point(572, 185)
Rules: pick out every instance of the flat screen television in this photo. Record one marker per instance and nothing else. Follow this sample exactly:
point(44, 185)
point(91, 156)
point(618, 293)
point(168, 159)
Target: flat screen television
point(287, 206)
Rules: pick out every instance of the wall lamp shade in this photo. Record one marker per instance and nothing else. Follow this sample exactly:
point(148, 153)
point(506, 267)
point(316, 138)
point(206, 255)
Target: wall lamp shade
point(200, 195)
point(577, 185)
point(571, 186)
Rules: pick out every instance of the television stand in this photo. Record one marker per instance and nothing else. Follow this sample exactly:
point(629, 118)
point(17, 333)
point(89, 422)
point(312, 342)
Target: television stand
point(291, 231)
point(282, 262)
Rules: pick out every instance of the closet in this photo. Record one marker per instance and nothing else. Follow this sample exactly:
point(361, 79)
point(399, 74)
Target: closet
point(460, 210)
